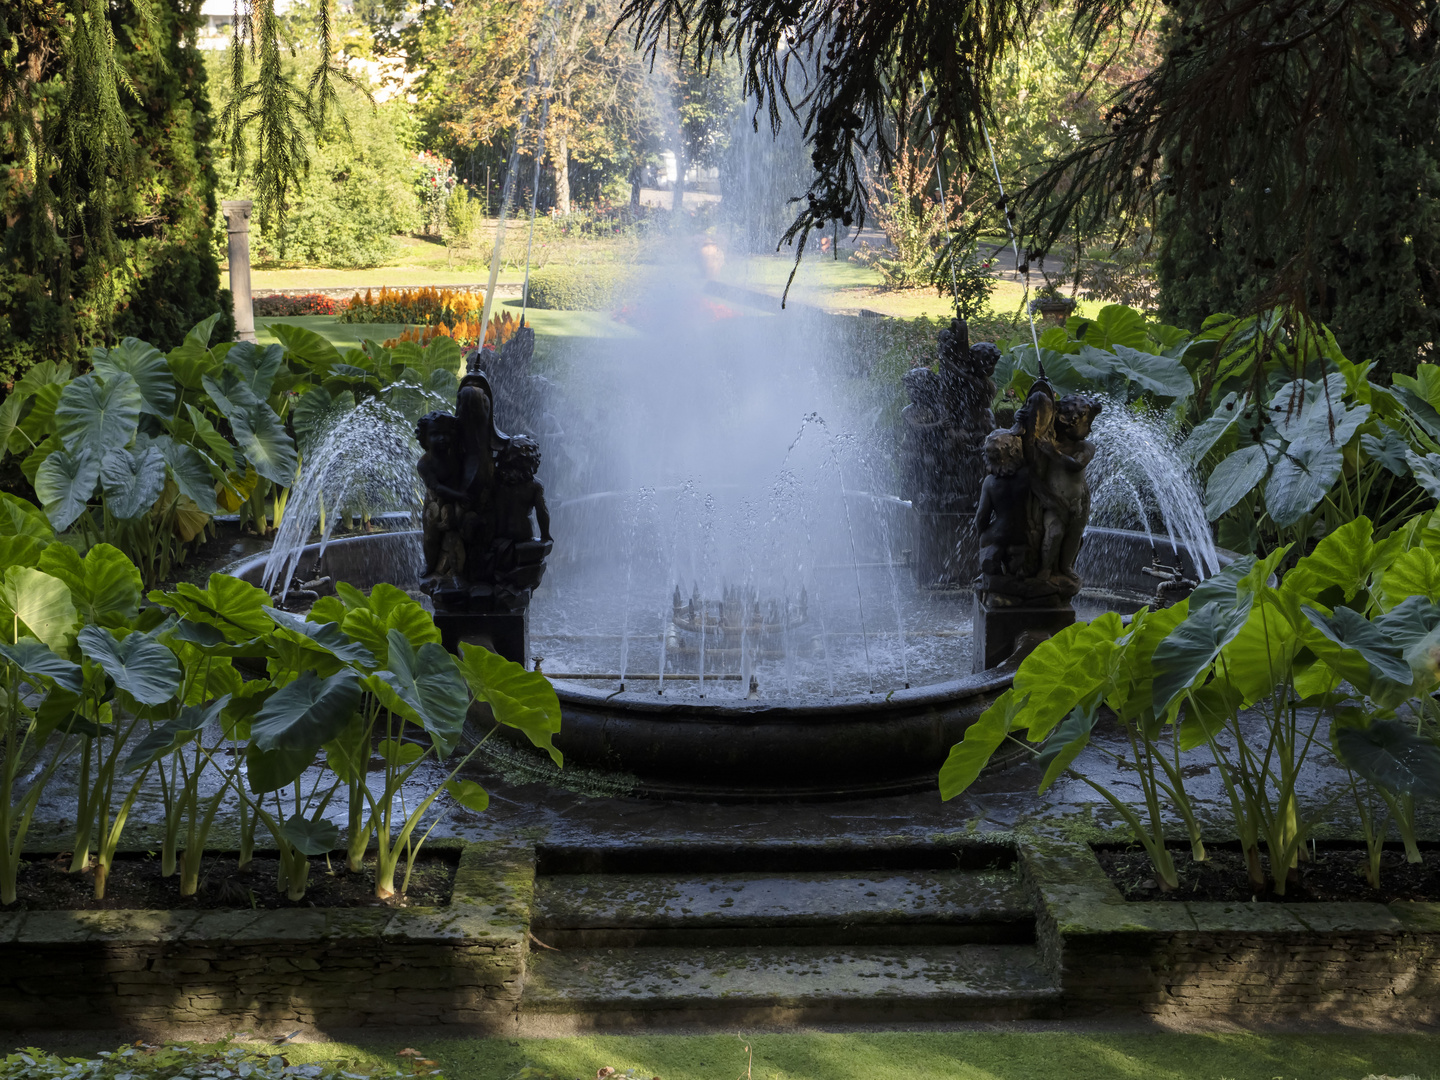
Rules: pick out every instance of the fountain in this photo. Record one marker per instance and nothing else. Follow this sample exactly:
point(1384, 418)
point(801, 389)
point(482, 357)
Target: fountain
point(735, 604)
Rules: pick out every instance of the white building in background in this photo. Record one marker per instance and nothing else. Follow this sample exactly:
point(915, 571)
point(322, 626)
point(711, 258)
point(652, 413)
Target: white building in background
point(217, 17)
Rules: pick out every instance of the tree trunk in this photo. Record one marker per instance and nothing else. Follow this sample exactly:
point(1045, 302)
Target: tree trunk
point(560, 162)
point(635, 174)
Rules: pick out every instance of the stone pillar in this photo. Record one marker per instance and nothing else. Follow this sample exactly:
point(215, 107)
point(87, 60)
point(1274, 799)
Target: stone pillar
point(237, 220)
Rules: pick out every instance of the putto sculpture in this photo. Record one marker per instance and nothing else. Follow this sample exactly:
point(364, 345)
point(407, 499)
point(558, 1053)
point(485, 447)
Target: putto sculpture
point(945, 427)
point(1030, 520)
point(483, 504)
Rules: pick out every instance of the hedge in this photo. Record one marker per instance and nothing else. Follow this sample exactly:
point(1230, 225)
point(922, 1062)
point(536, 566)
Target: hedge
point(567, 288)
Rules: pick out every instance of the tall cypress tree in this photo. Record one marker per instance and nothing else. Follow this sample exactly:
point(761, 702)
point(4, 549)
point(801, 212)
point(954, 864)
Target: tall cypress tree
point(108, 203)
point(1370, 246)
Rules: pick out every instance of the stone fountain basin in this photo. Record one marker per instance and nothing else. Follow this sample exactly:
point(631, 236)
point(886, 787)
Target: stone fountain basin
point(729, 750)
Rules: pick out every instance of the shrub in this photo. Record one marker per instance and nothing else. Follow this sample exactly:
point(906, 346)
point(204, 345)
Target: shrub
point(222, 1061)
point(568, 288)
point(309, 304)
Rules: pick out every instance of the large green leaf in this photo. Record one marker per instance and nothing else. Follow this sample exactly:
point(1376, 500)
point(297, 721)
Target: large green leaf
point(1303, 475)
point(1065, 670)
point(20, 518)
point(105, 585)
point(1117, 324)
point(257, 429)
point(131, 481)
point(98, 416)
point(1189, 650)
point(138, 663)
point(217, 444)
point(1426, 471)
point(1158, 374)
point(1346, 558)
point(469, 794)
point(19, 551)
point(1212, 429)
point(9, 419)
point(517, 698)
point(146, 365)
point(268, 447)
point(1131, 694)
point(64, 483)
point(1388, 449)
point(311, 836)
point(1391, 755)
point(307, 713)
point(1234, 478)
point(1413, 573)
point(327, 635)
point(425, 686)
point(1351, 630)
point(234, 607)
point(271, 770)
point(37, 660)
point(191, 360)
point(32, 602)
point(255, 366)
point(306, 348)
point(982, 739)
point(1070, 737)
point(190, 473)
point(1207, 711)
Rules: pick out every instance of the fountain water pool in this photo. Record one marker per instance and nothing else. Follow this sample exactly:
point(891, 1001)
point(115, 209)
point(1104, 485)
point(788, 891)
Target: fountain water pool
point(729, 610)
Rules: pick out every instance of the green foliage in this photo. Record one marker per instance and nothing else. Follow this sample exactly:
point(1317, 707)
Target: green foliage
point(180, 1061)
point(356, 192)
point(588, 288)
point(111, 104)
point(1357, 680)
point(1360, 255)
point(159, 694)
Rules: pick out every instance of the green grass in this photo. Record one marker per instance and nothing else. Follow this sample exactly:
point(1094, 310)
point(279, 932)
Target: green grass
point(923, 1056)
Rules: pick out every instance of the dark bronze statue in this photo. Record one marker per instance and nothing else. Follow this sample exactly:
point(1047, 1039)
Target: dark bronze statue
point(481, 552)
point(1035, 502)
point(945, 426)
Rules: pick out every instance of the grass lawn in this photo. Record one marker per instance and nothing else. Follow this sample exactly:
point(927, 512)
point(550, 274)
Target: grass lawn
point(920, 1056)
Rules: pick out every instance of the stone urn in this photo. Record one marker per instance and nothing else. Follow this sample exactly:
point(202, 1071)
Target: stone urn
point(1055, 309)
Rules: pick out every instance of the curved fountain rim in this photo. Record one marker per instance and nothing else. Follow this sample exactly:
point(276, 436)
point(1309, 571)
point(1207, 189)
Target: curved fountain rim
point(917, 698)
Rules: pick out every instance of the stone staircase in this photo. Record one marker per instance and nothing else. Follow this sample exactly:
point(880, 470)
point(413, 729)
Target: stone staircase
point(782, 934)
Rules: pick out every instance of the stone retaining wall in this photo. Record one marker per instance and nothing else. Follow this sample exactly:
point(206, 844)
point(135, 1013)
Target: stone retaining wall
point(1227, 961)
point(339, 967)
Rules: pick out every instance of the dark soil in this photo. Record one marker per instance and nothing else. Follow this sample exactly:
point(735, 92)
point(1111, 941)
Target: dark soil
point(135, 883)
point(1334, 873)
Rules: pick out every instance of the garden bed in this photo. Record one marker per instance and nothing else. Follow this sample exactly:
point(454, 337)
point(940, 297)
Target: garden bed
point(463, 963)
point(1198, 961)
point(1332, 873)
point(134, 883)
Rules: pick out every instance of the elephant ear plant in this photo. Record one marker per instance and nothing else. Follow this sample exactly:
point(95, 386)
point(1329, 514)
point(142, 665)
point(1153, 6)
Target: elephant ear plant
point(1336, 656)
point(361, 674)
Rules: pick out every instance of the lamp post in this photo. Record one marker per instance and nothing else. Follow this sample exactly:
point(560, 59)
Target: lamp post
point(237, 220)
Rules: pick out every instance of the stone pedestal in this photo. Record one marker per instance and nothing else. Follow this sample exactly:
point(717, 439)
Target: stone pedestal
point(997, 628)
point(237, 224)
point(505, 634)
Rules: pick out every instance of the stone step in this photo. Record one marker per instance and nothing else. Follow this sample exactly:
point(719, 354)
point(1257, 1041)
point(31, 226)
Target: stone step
point(915, 907)
point(613, 987)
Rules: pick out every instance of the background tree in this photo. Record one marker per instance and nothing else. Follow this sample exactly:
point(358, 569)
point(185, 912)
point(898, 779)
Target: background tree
point(108, 182)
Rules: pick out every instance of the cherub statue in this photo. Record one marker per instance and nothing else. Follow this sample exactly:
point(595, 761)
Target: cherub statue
point(1062, 490)
point(441, 469)
point(517, 557)
point(1002, 516)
